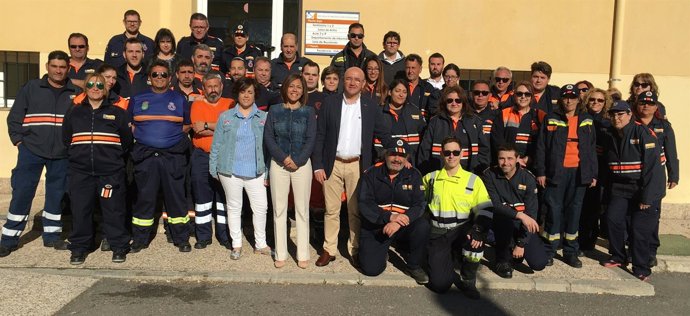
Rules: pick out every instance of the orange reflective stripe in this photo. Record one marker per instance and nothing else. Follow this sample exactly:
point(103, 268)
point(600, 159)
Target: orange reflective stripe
point(96, 138)
point(43, 119)
point(625, 167)
point(141, 118)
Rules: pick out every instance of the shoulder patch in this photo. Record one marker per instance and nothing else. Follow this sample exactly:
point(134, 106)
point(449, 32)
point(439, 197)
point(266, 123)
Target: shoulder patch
point(340, 59)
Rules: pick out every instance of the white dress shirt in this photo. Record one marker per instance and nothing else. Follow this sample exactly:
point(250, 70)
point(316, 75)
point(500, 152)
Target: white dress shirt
point(350, 135)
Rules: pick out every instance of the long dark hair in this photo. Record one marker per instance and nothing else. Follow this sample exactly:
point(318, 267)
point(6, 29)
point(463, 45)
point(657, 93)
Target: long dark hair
point(160, 35)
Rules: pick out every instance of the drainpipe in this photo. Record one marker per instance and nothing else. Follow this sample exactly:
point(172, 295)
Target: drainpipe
point(617, 43)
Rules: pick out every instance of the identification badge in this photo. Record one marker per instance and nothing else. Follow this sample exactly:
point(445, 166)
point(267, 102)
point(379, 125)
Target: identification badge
point(649, 145)
point(426, 94)
point(634, 141)
point(415, 116)
point(658, 130)
point(108, 117)
point(89, 71)
point(522, 187)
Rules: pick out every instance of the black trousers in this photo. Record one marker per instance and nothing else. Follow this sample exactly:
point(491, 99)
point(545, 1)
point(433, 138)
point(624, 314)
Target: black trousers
point(110, 192)
point(642, 224)
point(441, 250)
point(590, 217)
point(506, 231)
point(374, 245)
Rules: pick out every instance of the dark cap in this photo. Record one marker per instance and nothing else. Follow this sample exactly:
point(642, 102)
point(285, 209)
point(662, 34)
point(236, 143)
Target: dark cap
point(569, 90)
point(620, 106)
point(401, 147)
point(241, 30)
point(647, 97)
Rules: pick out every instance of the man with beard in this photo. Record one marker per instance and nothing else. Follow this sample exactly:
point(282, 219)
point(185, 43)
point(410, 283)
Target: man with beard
point(113, 52)
point(354, 53)
point(131, 76)
point(186, 85)
point(209, 197)
point(436, 64)
point(391, 204)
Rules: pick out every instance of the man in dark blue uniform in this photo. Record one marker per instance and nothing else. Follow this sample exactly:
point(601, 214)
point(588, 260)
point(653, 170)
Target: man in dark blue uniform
point(240, 48)
point(288, 62)
point(131, 76)
point(198, 23)
point(79, 63)
point(114, 51)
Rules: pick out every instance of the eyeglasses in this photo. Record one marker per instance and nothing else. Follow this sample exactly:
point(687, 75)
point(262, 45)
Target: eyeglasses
point(77, 46)
point(199, 27)
point(159, 75)
point(456, 100)
point(504, 80)
point(523, 94)
point(448, 77)
point(448, 153)
point(644, 85)
point(584, 90)
point(392, 43)
point(99, 85)
point(132, 21)
point(596, 100)
point(478, 92)
point(359, 36)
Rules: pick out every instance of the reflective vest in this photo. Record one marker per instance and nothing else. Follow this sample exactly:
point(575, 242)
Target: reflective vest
point(452, 199)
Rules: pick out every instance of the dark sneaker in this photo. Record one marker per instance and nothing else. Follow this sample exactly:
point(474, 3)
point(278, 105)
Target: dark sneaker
point(573, 261)
point(168, 237)
point(226, 244)
point(653, 262)
point(58, 244)
point(418, 275)
point(6, 251)
point(549, 262)
point(136, 247)
point(184, 247)
point(201, 244)
point(469, 289)
point(504, 270)
point(119, 257)
point(105, 245)
point(77, 259)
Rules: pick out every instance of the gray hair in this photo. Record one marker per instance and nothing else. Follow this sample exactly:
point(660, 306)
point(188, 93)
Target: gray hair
point(510, 73)
point(203, 47)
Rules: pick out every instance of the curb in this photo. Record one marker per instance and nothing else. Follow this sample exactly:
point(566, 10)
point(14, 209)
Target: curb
point(628, 286)
point(672, 264)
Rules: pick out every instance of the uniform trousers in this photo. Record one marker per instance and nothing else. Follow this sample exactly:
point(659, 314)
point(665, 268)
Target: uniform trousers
point(443, 244)
point(374, 245)
point(641, 230)
point(208, 197)
point(563, 206)
point(506, 231)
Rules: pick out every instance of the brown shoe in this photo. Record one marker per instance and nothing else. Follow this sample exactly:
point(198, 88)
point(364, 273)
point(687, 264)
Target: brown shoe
point(324, 259)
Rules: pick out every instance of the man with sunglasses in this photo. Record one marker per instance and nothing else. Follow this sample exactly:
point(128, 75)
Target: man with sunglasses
point(392, 58)
point(198, 24)
point(502, 88)
point(35, 127)
point(131, 76)
point(637, 185)
point(460, 211)
point(160, 119)
point(288, 62)
point(391, 203)
point(113, 52)
point(354, 53)
point(79, 63)
point(480, 102)
point(242, 49)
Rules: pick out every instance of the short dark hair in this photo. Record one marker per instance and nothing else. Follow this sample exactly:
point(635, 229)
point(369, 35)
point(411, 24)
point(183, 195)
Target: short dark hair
point(450, 139)
point(286, 83)
point(158, 63)
point(76, 35)
point(131, 12)
point(587, 83)
point(132, 40)
point(243, 84)
point(507, 147)
point(59, 55)
point(481, 81)
point(543, 67)
point(184, 62)
point(162, 34)
point(396, 82)
point(414, 57)
point(392, 34)
point(328, 71)
point(105, 67)
point(308, 64)
point(198, 16)
point(462, 95)
point(437, 55)
point(355, 25)
point(453, 67)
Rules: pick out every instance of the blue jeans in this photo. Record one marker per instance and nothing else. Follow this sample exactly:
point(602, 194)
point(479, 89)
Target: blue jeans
point(25, 177)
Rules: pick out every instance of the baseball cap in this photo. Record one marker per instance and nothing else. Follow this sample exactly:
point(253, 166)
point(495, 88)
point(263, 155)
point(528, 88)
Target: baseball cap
point(569, 90)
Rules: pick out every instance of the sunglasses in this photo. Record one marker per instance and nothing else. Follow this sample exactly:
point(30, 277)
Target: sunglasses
point(159, 75)
point(644, 85)
point(359, 36)
point(77, 46)
point(456, 100)
point(584, 89)
point(597, 100)
point(504, 80)
point(448, 153)
point(523, 94)
point(98, 85)
point(478, 92)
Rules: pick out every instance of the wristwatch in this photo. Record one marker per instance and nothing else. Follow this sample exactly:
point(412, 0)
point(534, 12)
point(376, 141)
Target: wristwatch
point(205, 125)
point(520, 243)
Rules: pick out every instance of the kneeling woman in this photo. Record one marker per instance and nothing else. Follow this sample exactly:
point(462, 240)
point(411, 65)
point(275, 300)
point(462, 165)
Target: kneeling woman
point(98, 136)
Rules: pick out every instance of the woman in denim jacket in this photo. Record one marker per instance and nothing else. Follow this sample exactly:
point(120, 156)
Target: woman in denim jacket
point(289, 136)
point(237, 160)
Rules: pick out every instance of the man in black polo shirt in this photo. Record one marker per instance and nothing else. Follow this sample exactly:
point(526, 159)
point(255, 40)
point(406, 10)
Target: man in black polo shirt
point(131, 76)
point(421, 93)
point(113, 52)
point(198, 23)
point(288, 62)
point(79, 63)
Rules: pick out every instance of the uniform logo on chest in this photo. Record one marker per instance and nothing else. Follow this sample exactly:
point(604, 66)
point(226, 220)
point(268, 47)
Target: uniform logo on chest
point(145, 105)
point(171, 106)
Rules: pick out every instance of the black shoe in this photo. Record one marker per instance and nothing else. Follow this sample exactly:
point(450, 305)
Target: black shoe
point(136, 247)
point(168, 237)
point(184, 247)
point(653, 262)
point(469, 289)
point(504, 270)
point(226, 244)
point(201, 244)
point(573, 261)
point(58, 244)
point(5, 251)
point(580, 253)
point(77, 259)
point(119, 257)
point(105, 245)
point(418, 275)
point(354, 260)
point(549, 262)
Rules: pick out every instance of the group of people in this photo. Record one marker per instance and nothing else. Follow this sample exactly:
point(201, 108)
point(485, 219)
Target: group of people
point(420, 165)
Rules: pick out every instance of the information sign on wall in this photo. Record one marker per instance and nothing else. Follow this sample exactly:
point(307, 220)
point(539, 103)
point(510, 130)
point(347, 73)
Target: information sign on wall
point(326, 32)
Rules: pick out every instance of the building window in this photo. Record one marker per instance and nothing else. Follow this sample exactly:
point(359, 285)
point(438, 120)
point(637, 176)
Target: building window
point(16, 69)
point(468, 76)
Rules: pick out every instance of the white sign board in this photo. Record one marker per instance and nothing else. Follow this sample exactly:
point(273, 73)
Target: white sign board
point(326, 32)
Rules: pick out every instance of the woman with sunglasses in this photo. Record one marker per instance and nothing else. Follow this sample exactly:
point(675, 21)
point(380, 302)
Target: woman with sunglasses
point(376, 84)
point(289, 136)
point(405, 119)
point(454, 118)
point(519, 124)
point(598, 103)
point(646, 113)
point(237, 160)
point(451, 75)
point(644, 82)
point(98, 137)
